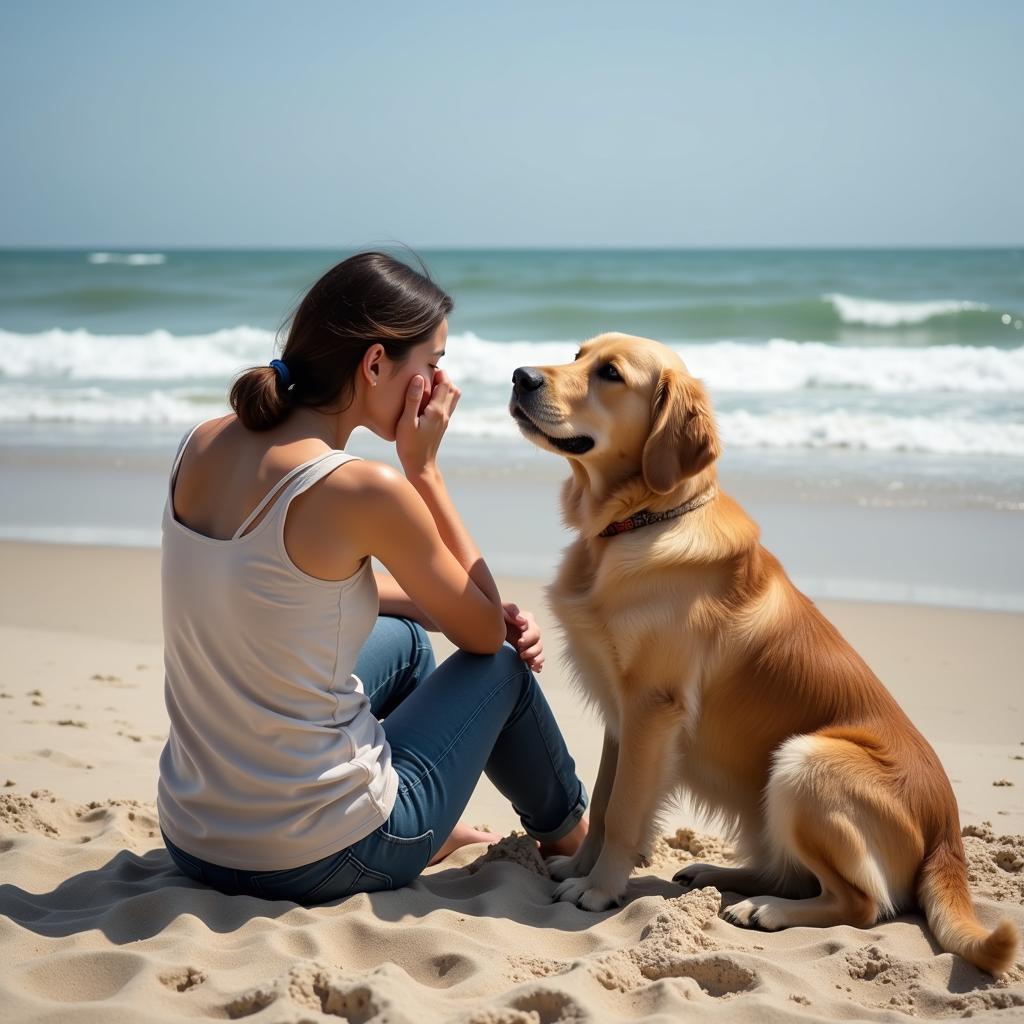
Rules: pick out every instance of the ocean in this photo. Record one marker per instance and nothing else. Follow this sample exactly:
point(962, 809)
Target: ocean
point(890, 378)
point(913, 351)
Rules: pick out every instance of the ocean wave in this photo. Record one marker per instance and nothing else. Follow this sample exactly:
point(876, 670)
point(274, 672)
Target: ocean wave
point(887, 313)
point(678, 317)
point(876, 432)
point(132, 259)
point(96, 405)
point(779, 365)
point(782, 365)
point(156, 355)
point(834, 429)
point(837, 429)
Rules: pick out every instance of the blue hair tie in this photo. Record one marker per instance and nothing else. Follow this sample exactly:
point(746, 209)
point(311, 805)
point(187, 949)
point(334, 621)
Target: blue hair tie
point(282, 371)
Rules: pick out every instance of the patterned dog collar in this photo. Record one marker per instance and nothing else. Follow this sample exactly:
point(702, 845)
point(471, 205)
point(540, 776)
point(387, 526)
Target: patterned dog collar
point(645, 518)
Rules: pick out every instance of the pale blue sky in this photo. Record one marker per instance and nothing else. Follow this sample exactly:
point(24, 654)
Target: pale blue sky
point(141, 125)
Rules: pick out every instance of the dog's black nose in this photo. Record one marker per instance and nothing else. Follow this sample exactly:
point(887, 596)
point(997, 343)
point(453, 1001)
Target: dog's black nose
point(527, 378)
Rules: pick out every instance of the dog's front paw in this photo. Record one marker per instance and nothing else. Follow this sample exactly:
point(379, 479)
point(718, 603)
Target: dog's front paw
point(561, 867)
point(753, 913)
point(585, 895)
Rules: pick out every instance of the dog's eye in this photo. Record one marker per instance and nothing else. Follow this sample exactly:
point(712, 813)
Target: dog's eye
point(578, 354)
point(608, 372)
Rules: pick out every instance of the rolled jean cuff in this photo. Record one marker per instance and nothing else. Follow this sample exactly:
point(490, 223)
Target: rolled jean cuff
point(571, 820)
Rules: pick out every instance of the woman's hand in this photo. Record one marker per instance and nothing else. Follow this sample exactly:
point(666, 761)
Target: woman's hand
point(523, 633)
point(422, 425)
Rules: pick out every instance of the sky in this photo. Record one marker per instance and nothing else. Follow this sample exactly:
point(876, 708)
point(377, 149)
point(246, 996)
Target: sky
point(449, 124)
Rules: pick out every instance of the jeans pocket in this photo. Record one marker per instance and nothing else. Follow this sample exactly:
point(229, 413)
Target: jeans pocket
point(295, 883)
point(402, 857)
point(348, 877)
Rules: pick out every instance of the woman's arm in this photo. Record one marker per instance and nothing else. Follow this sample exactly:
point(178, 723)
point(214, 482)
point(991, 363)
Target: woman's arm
point(521, 629)
point(409, 528)
point(417, 437)
point(395, 601)
point(424, 564)
point(392, 522)
point(430, 486)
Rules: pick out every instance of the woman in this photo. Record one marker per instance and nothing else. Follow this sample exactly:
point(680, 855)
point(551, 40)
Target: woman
point(315, 749)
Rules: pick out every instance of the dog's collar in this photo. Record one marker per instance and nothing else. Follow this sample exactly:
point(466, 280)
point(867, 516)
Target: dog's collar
point(645, 518)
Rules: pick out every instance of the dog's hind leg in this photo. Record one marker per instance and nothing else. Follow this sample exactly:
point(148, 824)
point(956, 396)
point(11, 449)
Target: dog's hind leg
point(827, 813)
point(756, 873)
point(584, 859)
point(745, 881)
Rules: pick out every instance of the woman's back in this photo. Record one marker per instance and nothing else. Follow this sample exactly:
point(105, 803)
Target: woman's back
point(226, 470)
point(274, 757)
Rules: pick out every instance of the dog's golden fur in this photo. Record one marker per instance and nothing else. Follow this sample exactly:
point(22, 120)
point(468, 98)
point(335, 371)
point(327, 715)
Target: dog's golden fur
point(714, 674)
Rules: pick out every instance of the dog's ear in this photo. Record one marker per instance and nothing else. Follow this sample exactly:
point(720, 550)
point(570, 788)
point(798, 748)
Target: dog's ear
point(683, 439)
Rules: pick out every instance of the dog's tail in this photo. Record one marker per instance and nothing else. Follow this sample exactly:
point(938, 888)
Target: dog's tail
point(943, 893)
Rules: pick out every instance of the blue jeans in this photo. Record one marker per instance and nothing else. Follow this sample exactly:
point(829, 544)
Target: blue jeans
point(445, 725)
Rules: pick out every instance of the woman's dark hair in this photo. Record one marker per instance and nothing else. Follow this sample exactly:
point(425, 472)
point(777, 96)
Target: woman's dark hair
point(368, 298)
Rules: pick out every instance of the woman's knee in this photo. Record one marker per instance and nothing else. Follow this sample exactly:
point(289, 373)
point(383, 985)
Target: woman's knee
point(509, 658)
point(513, 670)
point(505, 661)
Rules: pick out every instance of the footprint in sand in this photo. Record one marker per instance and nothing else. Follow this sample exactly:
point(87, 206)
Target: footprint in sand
point(116, 681)
point(55, 756)
point(182, 979)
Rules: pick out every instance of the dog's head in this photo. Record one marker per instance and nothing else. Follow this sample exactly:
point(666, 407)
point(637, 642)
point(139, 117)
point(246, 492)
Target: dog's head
point(626, 403)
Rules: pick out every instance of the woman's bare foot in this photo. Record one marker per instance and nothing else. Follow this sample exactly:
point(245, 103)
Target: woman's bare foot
point(568, 844)
point(463, 835)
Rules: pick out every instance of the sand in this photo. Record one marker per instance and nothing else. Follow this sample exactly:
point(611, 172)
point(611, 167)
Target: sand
point(97, 925)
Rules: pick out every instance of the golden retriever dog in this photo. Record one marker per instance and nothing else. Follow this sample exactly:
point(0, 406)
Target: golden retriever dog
point(716, 676)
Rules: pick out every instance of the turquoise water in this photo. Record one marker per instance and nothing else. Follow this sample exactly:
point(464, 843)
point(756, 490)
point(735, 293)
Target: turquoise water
point(895, 351)
point(921, 297)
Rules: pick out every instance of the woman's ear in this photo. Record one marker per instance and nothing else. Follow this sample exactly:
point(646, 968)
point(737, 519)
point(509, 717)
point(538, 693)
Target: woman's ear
point(372, 359)
point(683, 439)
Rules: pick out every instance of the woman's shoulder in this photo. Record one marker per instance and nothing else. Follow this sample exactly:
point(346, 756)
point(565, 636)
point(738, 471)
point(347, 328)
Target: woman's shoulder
point(365, 473)
point(204, 431)
point(372, 490)
point(370, 481)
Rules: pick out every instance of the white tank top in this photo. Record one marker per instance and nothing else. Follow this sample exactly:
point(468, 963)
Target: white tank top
point(274, 757)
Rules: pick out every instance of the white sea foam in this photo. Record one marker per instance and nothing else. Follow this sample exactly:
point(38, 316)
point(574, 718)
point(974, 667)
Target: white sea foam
point(782, 365)
point(878, 432)
point(776, 366)
point(133, 259)
point(97, 405)
point(839, 428)
point(156, 355)
point(887, 313)
point(829, 396)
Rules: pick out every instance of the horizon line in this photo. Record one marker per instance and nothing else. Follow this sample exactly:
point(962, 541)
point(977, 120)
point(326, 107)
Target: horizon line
point(773, 247)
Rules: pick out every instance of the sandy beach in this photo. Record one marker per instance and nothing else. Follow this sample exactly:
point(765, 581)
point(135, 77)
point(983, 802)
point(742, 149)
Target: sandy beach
point(816, 210)
point(98, 925)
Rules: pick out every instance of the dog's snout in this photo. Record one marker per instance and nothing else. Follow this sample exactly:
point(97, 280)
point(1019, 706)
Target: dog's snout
point(527, 378)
